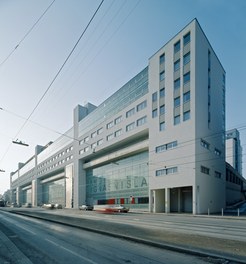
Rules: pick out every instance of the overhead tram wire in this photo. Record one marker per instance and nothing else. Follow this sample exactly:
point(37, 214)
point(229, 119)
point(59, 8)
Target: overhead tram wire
point(53, 80)
point(26, 35)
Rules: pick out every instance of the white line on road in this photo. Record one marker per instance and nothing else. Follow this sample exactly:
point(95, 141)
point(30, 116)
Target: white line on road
point(72, 252)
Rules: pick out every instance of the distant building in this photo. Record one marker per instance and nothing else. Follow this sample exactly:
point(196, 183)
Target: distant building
point(234, 150)
point(156, 144)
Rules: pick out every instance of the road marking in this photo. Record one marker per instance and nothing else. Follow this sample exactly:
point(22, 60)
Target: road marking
point(72, 252)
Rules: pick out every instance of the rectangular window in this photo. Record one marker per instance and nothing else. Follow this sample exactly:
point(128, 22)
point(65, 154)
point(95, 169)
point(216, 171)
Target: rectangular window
point(186, 115)
point(86, 139)
point(162, 109)
point(93, 145)
point(81, 151)
point(118, 133)
point(118, 120)
point(99, 142)
point(177, 101)
point(162, 58)
point(217, 152)
point(162, 92)
point(187, 77)
point(130, 126)
point(141, 106)
point(142, 121)
point(167, 146)
point(93, 134)
point(166, 171)
point(217, 174)
point(154, 113)
point(154, 97)
point(177, 46)
point(109, 137)
point(99, 131)
point(186, 39)
point(205, 170)
point(186, 58)
point(162, 76)
point(110, 124)
point(177, 65)
point(177, 120)
point(186, 97)
point(130, 112)
point(177, 83)
point(162, 126)
point(204, 144)
point(86, 149)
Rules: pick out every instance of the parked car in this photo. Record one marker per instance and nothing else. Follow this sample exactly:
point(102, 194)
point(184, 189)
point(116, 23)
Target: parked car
point(117, 208)
point(15, 205)
point(120, 208)
point(86, 207)
point(27, 205)
point(58, 206)
point(48, 206)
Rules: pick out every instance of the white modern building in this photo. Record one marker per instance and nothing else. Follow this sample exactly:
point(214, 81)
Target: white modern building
point(234, 150)
point(157, 144)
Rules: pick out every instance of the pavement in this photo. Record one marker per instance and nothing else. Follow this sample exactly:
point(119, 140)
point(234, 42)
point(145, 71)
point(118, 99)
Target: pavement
point(215, 250)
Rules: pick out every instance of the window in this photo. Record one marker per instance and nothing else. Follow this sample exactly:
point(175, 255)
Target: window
point(205, 170)
point(154, 97)
point(162, 58)
point(99, 131)
point(177, 46)
point(142, 121)
point(186, 58)
point(186, 39)
point(154, 113)
point(166, 171)
point(186, 115)
point(177, 101)
point(86, 139)
point(217, 152)
point(110, 124)
point(167, 146)
point(176, 120)
point(162, 75)
point(93, 146)
point(86, 149)
point(99, 142)
point(177, 65)
point(93, 134)
point(204, 144)
point(162, 109)
point(186, 77)
point(162, 126)
point(162, 92)
point(186, 97)
point(130, 126)
point(118, 120)
point(177, 83)
point(217, 174)
point(118, 133)
point(130, 112)
point(109, 137)
point(141, 106)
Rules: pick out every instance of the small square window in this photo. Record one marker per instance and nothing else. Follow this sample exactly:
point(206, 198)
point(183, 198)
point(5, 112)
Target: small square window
point(177, 83)
point(154, 113)
point(162, 126)
point(186, 58)
point(154, 97)
point(186, 97)
point(177, 102)
point(186, 115)
point(162, 109)
point(187, 77)
point(162, 75)
point(162, 58)
point(177, 65)
point(162, 92)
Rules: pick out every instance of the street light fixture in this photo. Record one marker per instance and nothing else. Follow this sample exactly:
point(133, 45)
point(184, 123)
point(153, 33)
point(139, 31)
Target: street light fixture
point(20, 143)
point(2, 170)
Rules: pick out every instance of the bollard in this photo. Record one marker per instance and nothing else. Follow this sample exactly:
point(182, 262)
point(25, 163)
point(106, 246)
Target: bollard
point(222, 212)
point(238, 213)
point(208, 211)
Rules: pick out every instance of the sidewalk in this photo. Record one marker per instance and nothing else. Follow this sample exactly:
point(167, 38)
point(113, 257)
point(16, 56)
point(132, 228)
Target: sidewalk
point(191, 244)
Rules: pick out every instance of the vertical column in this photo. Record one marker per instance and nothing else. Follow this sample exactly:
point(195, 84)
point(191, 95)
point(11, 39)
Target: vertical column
point(179, 200)
point(69, 186)
point(34, 193)
point(151, 198)
point(167, 200)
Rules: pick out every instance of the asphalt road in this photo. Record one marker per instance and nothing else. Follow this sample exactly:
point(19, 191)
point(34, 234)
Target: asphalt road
point(29, 240)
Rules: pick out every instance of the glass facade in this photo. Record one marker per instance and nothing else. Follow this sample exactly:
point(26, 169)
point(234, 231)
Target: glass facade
point(54, 192)
point(124, 181)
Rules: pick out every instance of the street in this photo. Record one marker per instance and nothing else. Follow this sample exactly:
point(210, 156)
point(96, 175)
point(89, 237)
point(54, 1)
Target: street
point(28, 240)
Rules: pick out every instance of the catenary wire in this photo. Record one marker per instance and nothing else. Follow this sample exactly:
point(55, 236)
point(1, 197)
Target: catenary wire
point(27, 34)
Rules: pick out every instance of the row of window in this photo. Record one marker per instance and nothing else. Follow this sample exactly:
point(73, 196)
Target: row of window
point(177, 63)
point(177, 118)
point(186, 40)
point(206, 145)
point(186, 79)
point(166, 171)
point(55, 157)
point(206, 170)
point(231, 177)
point(55, 165)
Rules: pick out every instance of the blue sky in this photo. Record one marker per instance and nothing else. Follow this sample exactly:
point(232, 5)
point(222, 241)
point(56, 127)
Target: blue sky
point(116, 46)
